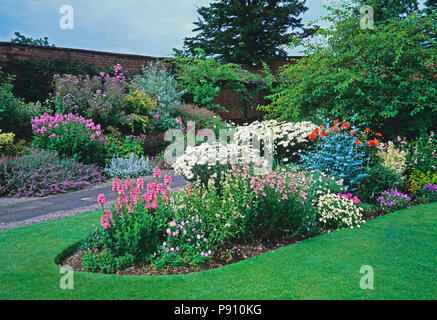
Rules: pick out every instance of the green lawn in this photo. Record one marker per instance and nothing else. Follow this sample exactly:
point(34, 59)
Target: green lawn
point(401, 247)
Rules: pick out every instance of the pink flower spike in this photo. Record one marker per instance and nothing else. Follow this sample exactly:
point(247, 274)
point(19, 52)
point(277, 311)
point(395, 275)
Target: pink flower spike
point(101, 199)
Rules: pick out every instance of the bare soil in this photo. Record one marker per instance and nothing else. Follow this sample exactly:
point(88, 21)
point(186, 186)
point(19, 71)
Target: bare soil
point(223, 257)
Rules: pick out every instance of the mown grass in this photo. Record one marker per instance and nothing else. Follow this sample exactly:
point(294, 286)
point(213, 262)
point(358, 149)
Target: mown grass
point(401, 247)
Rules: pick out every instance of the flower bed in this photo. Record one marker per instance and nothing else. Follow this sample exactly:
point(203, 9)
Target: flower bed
point(231, 210)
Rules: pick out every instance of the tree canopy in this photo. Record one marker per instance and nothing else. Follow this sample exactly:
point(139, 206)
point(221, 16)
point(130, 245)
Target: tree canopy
point(247, 31)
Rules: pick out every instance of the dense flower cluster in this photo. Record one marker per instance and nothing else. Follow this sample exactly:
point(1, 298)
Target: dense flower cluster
point(282, 134)
point(185, 235)
point(53, 126)
point(431, 188)
point(117, 74)
point(337, 211)
point(70, 135)
point(128, 196)
point(392, 200)
point(349, 196)
point(216, 153)
point(392, 157)
point(342, 126)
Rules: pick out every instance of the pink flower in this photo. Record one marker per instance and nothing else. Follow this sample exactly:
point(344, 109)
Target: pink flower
point(101, 199)
point(167, 179)
point(156, 116)
point(157, 172)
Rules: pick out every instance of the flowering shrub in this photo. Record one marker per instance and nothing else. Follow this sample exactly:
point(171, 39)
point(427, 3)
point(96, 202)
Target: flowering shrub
point(338, 211)
point(418, 179)
point(212, 159)
point(429, 191)
point(288, 137)
point(132, 226)
point(274, 205)
point(201, 116)
point(69, 135)
point(337, 153)
point(186, 238)
point(320, 183)
point(392, 200)
point(41, 173)
point(422, 154)
point(393, 158)
point(350, 197)
point(102, 99)
point(131, 167)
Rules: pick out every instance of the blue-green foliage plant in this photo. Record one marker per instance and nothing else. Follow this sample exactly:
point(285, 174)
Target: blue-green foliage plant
point(161, 86)
point(129, 168)
point(338, 155)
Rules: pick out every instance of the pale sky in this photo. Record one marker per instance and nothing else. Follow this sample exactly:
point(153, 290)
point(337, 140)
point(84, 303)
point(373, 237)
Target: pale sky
point(145, 27)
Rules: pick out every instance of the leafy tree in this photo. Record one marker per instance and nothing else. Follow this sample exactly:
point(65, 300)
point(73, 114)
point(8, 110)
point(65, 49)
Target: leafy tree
point(202, 78)
point(34, 42)
point(430, 6)
point(382, 77)
point(390, 9)
point(247, 31)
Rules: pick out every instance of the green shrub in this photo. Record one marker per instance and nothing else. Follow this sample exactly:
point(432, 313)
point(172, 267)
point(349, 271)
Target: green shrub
point(105, 262)
point(157, 82)
point(418, 179)
point(383, 76)
point(378, 179)
point(203, 77)
point(123, 146)
point(138, 234)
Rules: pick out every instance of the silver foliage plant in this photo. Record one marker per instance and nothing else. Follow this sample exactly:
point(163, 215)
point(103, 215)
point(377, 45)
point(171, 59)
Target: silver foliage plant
point(129, 168)
point(161, 85)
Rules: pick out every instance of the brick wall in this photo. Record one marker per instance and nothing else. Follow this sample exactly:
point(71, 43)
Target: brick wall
point(133, 63)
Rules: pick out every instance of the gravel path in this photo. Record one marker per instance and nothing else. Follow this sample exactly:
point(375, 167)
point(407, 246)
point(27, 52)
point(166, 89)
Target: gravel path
point(18, 212)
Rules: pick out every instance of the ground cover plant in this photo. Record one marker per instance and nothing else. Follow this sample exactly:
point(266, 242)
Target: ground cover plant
point(40, 173)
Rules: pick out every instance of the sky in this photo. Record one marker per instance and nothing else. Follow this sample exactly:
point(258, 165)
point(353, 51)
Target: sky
point(144, 27)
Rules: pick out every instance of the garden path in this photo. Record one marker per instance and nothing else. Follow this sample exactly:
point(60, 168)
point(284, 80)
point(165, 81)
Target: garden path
point(16, 213)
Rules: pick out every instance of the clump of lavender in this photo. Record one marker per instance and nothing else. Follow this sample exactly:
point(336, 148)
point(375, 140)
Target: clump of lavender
point(42, 173)
point(392, 200)
point(429, 191)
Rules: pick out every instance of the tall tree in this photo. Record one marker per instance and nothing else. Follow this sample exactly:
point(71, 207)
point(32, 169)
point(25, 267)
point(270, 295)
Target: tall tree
point(430, 6)
point(387, 9)
point(247, 31)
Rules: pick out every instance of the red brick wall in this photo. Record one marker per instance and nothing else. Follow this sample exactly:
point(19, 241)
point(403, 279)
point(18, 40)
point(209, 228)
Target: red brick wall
point(133, 63)
point(12, 51)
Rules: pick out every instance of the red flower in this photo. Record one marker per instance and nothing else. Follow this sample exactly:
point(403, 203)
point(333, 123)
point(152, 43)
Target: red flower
point(346, 125)
point(358, 142)
point(353, 132)
point(313, 136)
point(378, 134)
point(367, 130)
point(323, 134)
point(373, 143)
